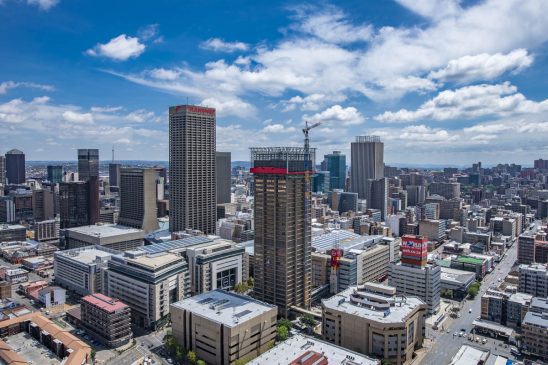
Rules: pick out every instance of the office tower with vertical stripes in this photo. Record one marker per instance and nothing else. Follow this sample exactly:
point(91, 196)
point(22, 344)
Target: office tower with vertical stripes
point(192, 200)
point(282, 225)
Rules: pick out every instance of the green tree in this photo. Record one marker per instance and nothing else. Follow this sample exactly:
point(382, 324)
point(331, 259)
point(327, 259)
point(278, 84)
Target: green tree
point(169, 343)
point(282, 333)
point(240, 288)
point(180, 353)
point(473, 289)
point(191, 357)
point(241, 361)
point(200, 362)
point(285, 323)
point(308, 320)
point(251, 282)
point(93, 354)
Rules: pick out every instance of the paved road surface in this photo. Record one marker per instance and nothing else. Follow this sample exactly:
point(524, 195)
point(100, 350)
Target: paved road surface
point(446, 344)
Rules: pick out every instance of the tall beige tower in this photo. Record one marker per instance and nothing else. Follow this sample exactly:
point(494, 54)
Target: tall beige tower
point(138, 198)
point(192, 202)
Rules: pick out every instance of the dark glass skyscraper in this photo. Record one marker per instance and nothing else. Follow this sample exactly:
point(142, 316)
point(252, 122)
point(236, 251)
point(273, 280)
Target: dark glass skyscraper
point(77, 206)
point(55, 173)
point(15, 167)
point(192, 199)
point(336, 165)
point(88, 164)
point(367, 154)
point(282, 225)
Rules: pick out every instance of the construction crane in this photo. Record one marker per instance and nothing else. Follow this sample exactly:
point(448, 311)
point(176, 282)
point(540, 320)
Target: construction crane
point(306, 129)
point(307, 170)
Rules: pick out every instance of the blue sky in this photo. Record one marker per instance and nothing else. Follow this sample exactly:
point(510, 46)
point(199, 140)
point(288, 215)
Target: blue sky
point(441, 81)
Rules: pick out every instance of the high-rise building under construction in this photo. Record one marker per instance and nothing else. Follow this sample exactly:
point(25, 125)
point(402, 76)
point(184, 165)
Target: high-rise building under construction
point(282, 225)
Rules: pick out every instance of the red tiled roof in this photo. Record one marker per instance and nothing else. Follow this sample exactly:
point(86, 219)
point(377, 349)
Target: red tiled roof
point(105, 303)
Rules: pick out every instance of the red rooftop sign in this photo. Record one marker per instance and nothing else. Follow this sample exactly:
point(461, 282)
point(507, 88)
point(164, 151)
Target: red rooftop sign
point(196, 109)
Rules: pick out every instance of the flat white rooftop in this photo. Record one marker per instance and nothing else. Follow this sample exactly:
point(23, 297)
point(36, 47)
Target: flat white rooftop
point(86, 255)
point(224, 307)
point(468, 355)
point(105, 230)
point(397, 314)
point(298, 345)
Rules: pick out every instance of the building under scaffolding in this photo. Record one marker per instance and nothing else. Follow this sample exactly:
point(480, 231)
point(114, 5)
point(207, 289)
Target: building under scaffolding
point(282, 179)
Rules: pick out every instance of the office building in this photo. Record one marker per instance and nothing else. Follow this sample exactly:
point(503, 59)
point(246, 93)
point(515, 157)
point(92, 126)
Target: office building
point(55, 173)
point(378, 196)
point(336, 165)
point(359, 259)
point(223, 182)
point(222, 327)
point(367, 163)
point(47, 230)
point(78, 203)
point(533, 279)
point(433, 229)
point(114, 174)
point(305, 350)
point(15, 167)
point(423, 282)
point(106, 319)
point(449, 190)
point(148, 283)
point(282, 225)
point(531, 250)
point(535, 329)
point(416, 194)
point(320, 182)
point(138, 199)
point(7, 209)
point(88, 164)
point(79, 269)
point(216, 265)
point(111, 236)
point(374, 321)
point(192, 202)
point(13, 232)
point(2, 171)
point(43, 205)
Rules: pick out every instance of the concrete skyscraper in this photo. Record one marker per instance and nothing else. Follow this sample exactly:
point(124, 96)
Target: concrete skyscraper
point(335, 163)
point(15, 167)
point(193, 201)
point(367, 163)
point(88, 164)
point(138, 198)
point(222, 177)
point(114, 174)
point(378, 196)
point(282, 225)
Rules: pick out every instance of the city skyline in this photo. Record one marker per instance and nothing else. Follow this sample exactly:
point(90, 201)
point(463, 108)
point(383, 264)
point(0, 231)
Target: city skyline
point(403, 70)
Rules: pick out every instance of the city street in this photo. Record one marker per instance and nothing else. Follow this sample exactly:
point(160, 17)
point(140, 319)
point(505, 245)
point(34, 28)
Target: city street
point(446, 345)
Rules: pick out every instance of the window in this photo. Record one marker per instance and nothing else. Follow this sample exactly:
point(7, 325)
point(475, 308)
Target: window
point(226, 279)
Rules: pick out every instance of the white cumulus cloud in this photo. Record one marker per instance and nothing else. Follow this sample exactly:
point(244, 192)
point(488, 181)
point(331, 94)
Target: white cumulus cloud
point(219, 45)
point(338, 114)
point(120, 48)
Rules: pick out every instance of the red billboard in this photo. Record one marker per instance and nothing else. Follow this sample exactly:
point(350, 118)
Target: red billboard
point(414, 247)
point(336, 255)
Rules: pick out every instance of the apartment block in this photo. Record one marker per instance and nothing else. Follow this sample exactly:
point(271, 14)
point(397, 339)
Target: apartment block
point(13, 232)
point(47, 230)
point(533, 279)
point(222, 327)
point(535, 329)
point(106, 319)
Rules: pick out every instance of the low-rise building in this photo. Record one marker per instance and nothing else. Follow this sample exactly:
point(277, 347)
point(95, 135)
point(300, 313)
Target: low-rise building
point(455, 283)
point(111, 236)
point(507, 309)
point(105, 319)
point(222, 327)
point(47, 230)
point(300, 349)
point(79, 269)
point(373, 320)
point(472, 264)
point(14, 276)
point(535, 329)
point(148, 283)
point(470, 355)
point(12, 232)
point(51, 296)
